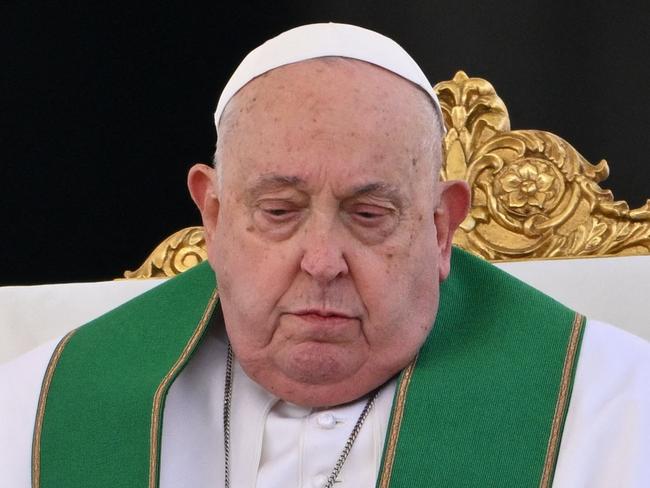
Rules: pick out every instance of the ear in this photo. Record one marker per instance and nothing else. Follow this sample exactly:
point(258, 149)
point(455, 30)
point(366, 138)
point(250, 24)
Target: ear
point(201, 182)
point(452, 210)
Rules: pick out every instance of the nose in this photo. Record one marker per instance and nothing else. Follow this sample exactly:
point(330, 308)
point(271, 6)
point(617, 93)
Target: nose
point(323, 256)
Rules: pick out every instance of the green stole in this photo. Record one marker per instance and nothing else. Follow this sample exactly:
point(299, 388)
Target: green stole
point(483, 404)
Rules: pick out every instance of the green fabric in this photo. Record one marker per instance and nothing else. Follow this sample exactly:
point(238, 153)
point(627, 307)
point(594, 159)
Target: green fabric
point(98, 413)
point(477, 414)
point(483, 393)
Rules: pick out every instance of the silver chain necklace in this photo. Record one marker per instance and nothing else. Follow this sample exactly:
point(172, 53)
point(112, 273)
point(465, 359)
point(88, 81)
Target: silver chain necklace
point(227, 402)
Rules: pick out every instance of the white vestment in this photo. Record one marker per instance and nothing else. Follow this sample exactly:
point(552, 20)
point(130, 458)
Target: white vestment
point(606, 439)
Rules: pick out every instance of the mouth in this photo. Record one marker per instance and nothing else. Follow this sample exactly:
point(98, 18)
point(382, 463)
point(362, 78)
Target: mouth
point(322, 325)
point(322, 314)
point(324, 317)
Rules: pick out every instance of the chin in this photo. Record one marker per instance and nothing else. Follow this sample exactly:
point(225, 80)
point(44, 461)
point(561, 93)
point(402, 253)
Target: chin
point(320, 363)
point(318, 374)
point(325, 381)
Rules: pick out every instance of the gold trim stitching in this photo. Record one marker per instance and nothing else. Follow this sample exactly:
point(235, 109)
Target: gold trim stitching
point(40, 411)
point(562, 403)
point(164, 384)
point(400, 404)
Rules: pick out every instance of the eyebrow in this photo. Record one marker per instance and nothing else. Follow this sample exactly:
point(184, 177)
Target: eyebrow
point(380, 189)
point(272, 181)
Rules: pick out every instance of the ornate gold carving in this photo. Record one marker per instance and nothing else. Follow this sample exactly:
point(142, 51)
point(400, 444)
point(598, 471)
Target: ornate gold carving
point(533, 194)
point(177, 253)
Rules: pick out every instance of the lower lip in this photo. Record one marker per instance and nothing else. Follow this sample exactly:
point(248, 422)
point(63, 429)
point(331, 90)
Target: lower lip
point(331, 329)
point(323, 319)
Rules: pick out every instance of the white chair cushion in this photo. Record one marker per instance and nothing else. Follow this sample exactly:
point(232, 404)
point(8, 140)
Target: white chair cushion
point(33, 315)
point(614, 290)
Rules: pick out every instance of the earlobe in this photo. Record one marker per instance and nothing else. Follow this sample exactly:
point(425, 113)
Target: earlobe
point(202, 185)
point(451, 211)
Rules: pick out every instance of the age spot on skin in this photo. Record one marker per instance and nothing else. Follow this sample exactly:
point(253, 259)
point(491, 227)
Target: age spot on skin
point(411, 239)
point(250, 105)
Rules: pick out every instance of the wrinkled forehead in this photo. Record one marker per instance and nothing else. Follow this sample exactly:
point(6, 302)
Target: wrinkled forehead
point(332, 84)
point(326, 40)
point(334, 120)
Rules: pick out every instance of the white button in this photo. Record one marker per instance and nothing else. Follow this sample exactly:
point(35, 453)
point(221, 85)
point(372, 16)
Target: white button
point(319, 481)
point(326, 420)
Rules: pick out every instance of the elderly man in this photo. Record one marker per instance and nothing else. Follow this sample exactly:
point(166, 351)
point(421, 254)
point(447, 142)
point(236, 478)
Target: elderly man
point(330, 355)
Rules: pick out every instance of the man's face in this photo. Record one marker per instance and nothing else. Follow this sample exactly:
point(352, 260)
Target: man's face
point(322, 228)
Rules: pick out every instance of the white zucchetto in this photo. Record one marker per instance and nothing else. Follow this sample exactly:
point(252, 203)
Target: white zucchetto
point(319, 40)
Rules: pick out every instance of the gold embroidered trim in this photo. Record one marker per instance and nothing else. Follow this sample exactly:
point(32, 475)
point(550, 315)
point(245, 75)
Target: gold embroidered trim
point(154, 437)
point(562, 402)
point(40, 411)
point(400, 404)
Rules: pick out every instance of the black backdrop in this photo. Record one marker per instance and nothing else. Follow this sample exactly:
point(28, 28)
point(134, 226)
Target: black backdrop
point(104, 106)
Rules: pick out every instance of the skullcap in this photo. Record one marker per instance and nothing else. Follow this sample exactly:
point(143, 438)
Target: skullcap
point(319, 40)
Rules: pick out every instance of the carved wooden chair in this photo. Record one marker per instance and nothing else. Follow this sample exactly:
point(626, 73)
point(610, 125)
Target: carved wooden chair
point(536, 206)
point(533, 195)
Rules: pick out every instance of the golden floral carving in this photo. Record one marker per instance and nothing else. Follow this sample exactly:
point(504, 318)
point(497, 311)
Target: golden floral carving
point(527, 187)
point(533, 194)
point(177, 253)
point(473, 113)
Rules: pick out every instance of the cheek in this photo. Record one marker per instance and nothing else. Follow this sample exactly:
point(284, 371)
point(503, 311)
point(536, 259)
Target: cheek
point(252, 277)
point(400, 291)
point(235, 254)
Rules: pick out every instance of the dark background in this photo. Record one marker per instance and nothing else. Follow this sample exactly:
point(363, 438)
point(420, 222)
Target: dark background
point(104, 106)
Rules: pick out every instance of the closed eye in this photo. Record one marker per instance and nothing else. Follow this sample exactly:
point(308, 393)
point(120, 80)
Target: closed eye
point(277, 212)
point(371, 214)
